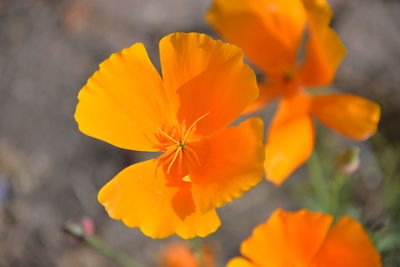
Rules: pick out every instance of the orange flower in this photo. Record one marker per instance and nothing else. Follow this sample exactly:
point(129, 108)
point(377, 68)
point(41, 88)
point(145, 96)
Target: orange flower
point(184, 115)
point(179, 254)
point(307, 239)
point(273, 35)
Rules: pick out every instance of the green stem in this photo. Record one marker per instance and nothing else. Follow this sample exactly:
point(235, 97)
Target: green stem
point(318, 181)
point(338, 182)
point(118, 257)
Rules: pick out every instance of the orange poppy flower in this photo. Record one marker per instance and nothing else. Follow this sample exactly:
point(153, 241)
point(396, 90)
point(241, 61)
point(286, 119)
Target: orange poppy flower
point(179, 254)
point(184, 115)
point(307, 239)
point(273, 35)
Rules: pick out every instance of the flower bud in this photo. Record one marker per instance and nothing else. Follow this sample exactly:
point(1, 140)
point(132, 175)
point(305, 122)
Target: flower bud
point(348, 161)
point(79, 230)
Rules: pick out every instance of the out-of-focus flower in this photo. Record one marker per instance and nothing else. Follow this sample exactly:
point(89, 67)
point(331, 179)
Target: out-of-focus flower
point(87, 226)
point(348, 161)
point(75, 16)
point(184, 115)
point(79, 230)
point(307, 239)
point(179, 254)
point(292, 43)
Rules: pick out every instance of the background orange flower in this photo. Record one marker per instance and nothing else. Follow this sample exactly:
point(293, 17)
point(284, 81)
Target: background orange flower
point(307, 239)
point(292, 43)
point(180, 254)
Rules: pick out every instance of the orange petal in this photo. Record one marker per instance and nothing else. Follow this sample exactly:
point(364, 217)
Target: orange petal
point(290, 139)
point(350, 115)
point(139, 197)
point(231, 163)
point(239, 262)
point(182, 202)
point(178, 254)
point(347, 245)
point(324, 50)
point(209, 77)
point(287, 238)
point(268, 31)
point(268, 92)
point(124, 102)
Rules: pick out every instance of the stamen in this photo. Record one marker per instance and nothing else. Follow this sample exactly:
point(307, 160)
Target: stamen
point(192, 126)
point(167, 136)
point(175, 151)
point(174, 158)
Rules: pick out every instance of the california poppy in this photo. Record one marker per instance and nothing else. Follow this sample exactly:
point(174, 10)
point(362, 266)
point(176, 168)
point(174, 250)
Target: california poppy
point(307, 239)
point(292, 43)
point(184, 115)
point(180, 254)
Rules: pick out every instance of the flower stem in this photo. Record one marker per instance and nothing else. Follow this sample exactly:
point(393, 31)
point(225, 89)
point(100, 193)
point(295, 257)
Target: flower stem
point(102, 247)
point(318, 181)
point(338, 183)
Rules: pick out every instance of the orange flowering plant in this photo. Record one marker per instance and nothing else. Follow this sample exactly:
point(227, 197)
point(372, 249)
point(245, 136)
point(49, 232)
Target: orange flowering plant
point(292, 43)
point(307, 239)
point(184, 115)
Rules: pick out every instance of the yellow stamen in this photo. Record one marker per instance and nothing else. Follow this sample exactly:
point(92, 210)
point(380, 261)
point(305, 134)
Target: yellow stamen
point(167, 136)
point(181, 145)
point(192, 126)
point(174, 158)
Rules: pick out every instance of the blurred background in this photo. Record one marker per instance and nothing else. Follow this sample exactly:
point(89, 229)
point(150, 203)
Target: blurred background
point(50, 173)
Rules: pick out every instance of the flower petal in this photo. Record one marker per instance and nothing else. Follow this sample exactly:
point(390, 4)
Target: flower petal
point(239, 262)
point(268, 92)
point(231, 163)
point(267, 31)
point(139, 197)
point(124, 102)
point(324, 50)
point(182, 202)
point(350, 115)
point(209, 77)
point(177, 254)
point(290, 139)
point(347, 245)
point(287, 238)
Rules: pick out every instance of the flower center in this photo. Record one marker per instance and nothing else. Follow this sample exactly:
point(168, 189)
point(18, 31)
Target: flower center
point(181, 145)
point(177, 149)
